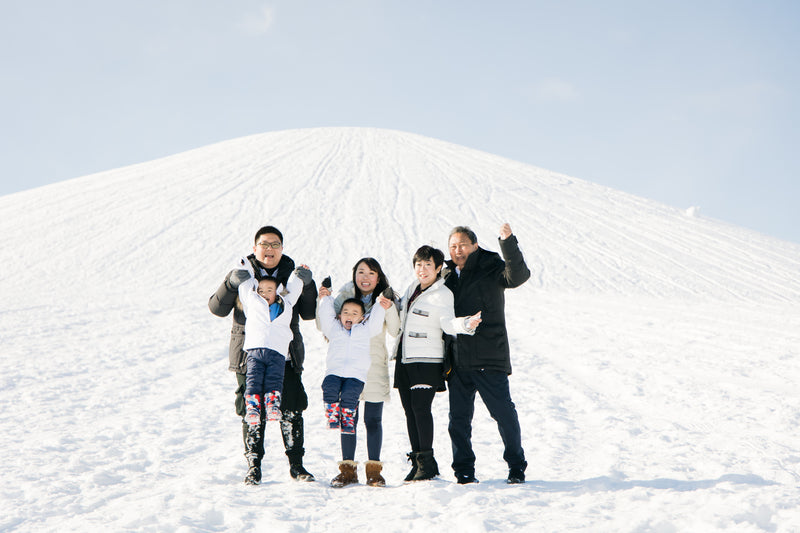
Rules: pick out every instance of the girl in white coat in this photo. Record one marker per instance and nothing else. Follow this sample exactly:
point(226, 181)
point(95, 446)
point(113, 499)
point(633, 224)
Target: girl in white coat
point(426, 313)
point(367, 283)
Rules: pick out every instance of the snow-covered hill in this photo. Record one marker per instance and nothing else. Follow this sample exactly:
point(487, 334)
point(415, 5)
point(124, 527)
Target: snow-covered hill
point(655, 351)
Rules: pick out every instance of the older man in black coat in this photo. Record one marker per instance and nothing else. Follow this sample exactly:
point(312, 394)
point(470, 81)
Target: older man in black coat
point(482, 362)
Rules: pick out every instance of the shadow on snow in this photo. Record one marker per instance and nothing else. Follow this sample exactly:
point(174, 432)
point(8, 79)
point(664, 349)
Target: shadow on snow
point(608, 484)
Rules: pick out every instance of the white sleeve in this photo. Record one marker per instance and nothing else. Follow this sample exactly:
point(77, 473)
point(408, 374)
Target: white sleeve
point(247, 290)
point(327, 316)
point(294, 287)
point(374, 323)
point(451, 324)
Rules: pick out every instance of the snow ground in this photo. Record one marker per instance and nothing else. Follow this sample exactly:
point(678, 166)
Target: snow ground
point(655, 352)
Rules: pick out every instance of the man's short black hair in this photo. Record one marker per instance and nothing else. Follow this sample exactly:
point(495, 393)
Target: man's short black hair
point(268, 229)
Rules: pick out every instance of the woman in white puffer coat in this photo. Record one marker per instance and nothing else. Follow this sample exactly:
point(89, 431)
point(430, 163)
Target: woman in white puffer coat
point(426, 314)
point(368, 282)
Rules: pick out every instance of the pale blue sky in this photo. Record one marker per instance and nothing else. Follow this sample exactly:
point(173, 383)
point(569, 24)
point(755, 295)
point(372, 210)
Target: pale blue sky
point(685, 102)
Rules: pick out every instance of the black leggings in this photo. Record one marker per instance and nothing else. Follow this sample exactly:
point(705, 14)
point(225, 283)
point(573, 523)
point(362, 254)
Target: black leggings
point(419, 419)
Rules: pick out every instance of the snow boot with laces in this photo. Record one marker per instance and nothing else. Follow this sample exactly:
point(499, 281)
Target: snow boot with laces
point(412, 458)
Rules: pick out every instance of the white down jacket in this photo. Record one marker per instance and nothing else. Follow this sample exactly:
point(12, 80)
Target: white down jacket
point(377, 387)
point(423, 321)
point(348, 351)
point(259, 330)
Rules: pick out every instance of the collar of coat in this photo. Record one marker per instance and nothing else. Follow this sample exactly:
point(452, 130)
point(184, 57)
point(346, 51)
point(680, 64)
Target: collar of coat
point(284, 269)
point(480, 259)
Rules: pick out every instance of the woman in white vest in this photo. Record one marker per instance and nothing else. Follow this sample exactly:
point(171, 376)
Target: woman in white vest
point(426, 314)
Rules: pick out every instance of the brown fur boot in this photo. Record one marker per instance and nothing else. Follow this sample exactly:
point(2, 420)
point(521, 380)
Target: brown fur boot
point(374, 477)
point(347, 474)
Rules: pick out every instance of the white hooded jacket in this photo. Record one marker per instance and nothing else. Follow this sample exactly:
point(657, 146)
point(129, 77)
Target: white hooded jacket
point(260, 331)
point(348, 351)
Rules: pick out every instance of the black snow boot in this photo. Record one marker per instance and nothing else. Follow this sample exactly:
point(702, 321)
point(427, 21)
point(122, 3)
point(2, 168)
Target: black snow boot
point(426, 466)
point(293, 439)
point(412, 458)
point(299, 473)
point(516, 474)
point(253, 476)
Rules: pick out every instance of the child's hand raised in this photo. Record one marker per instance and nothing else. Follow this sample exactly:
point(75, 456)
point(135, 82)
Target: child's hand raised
point(324, 291)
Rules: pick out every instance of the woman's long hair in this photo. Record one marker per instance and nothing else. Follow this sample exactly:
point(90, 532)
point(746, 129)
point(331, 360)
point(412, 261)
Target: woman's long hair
point(372, 264)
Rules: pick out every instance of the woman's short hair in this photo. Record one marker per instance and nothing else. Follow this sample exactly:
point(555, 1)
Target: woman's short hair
point(428, 253)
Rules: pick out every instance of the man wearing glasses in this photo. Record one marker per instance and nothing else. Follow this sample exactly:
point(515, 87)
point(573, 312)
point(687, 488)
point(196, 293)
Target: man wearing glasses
point(266, 260)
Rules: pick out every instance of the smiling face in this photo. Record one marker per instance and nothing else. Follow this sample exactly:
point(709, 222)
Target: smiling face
point(460, 248)
point(351, 315)
point(426, 272)
point(268, 250)
point(267, 289)
point(366, 279)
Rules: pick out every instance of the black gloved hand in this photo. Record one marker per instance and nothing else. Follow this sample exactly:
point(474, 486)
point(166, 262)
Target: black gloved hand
point(235, 278)
point(303, 274)
point(327, 282)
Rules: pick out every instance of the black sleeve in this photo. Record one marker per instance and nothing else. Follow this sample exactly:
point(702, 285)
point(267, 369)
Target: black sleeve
point(307, 303)
point(516, 271)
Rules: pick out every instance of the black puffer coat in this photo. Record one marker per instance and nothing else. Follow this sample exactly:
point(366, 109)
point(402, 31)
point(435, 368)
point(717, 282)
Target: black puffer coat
point(226, 300)
point(481, 287)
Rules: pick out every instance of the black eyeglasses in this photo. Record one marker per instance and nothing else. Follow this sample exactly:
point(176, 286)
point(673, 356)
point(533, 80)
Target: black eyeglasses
point(275, 245)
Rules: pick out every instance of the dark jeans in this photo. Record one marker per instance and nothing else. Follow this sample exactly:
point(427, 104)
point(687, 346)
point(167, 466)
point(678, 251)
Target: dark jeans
point(293, 402)
point(495, 393)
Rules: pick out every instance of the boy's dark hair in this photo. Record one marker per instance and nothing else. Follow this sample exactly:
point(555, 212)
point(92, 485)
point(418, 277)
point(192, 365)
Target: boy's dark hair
point(268, 229)
point(428, 253)
point(357, 302)
point(273, 279)
point(373, 265)
point(466, 231)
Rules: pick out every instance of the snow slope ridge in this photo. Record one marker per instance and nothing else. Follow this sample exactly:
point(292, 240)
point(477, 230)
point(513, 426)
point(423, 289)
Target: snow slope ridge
point(579, 237)
point(656, 354)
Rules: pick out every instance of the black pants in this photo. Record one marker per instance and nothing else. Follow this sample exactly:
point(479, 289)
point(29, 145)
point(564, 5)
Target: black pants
point(494, 391)
point(293, 402)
